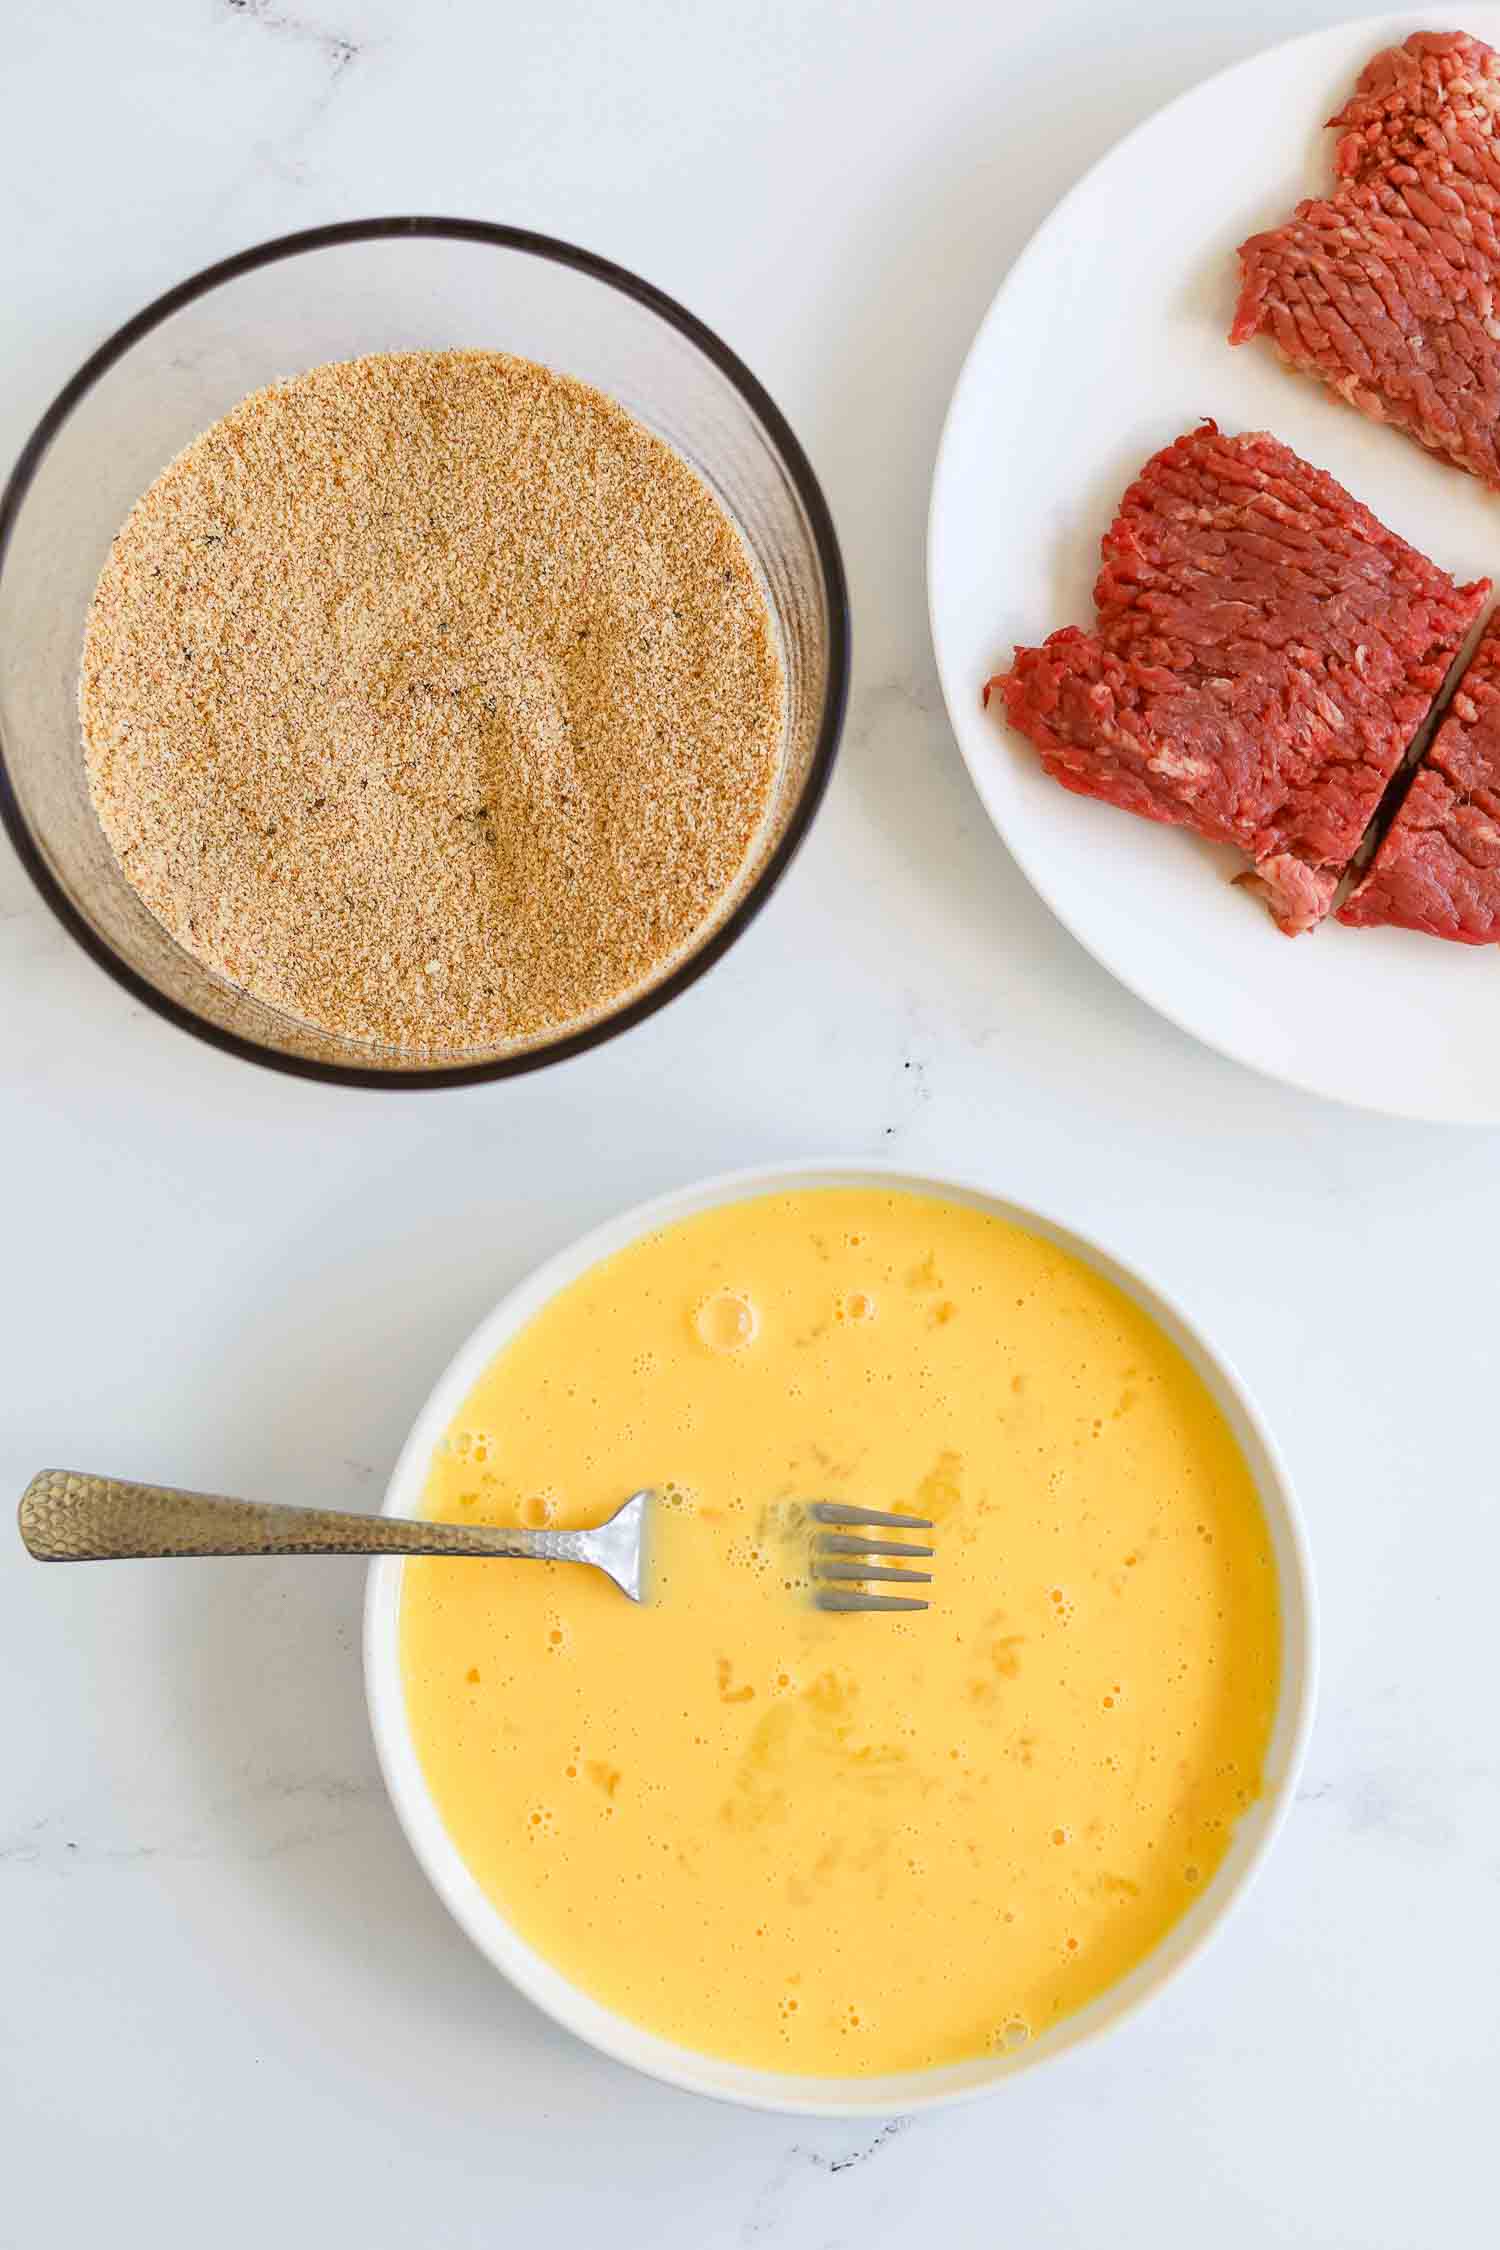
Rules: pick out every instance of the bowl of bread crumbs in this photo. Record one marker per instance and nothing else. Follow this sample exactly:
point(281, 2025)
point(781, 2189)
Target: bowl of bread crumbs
point(423, 647)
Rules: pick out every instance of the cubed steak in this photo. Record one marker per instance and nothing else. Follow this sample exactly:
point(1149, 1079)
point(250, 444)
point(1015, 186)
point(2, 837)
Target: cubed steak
point(1387, 288)
point(1438, 869)
point(1263, 652)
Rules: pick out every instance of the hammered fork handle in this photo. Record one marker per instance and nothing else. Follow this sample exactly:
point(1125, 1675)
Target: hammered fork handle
point(67, 1516)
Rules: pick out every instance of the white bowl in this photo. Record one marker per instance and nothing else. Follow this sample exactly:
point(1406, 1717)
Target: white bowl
point(614, 2034)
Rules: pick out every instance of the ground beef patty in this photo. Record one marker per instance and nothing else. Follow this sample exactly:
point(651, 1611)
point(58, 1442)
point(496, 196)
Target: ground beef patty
point(1438, 869)
point(1264, 650)
point(1387, 289)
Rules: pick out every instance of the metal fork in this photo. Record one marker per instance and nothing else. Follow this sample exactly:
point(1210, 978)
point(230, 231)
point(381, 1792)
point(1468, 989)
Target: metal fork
point(838, 1555)
point(68, 1516)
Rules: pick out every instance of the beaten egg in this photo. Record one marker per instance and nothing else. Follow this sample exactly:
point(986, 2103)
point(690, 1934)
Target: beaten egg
point(847, 1844)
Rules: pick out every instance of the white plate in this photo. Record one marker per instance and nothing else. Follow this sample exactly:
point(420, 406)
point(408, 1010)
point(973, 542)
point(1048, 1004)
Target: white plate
point(736, 2082)
point(1106, 341)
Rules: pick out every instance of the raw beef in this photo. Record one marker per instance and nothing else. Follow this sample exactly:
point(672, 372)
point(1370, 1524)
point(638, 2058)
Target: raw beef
point(1387, 289)
point(1438, 869)
point(1264, 651)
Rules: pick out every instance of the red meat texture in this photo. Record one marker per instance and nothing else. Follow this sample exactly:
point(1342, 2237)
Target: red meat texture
point(1263, 652)
point(1438, 869)
point(1386, 289)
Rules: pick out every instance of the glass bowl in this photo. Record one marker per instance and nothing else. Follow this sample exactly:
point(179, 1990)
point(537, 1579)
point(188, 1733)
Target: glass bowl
point(376, 285)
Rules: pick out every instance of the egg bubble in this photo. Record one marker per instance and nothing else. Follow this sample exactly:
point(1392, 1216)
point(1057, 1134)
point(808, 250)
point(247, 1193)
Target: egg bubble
point(727, 1321)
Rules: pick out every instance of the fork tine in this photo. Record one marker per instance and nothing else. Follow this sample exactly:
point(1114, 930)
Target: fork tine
point(867, 1601)
point(844, 1597)
point(834, 1511)
point(823, 1569)
point(843, 1543)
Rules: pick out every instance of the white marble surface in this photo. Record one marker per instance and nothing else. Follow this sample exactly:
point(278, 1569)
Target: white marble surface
point(232, 2011)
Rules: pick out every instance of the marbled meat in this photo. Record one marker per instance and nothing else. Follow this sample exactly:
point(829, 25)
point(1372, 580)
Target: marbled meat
point(1438, 869)
point(1263, 652)
point(1388, 289)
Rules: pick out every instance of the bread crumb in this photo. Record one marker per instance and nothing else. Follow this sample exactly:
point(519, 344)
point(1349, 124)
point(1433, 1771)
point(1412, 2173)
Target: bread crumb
point(431, 699)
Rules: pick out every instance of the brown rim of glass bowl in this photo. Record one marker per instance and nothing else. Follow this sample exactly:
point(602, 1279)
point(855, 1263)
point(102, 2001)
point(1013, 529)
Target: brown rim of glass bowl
point(799, 472)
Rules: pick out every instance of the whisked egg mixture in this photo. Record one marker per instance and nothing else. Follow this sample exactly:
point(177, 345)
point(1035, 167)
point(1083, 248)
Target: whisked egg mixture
point(847, 1844)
